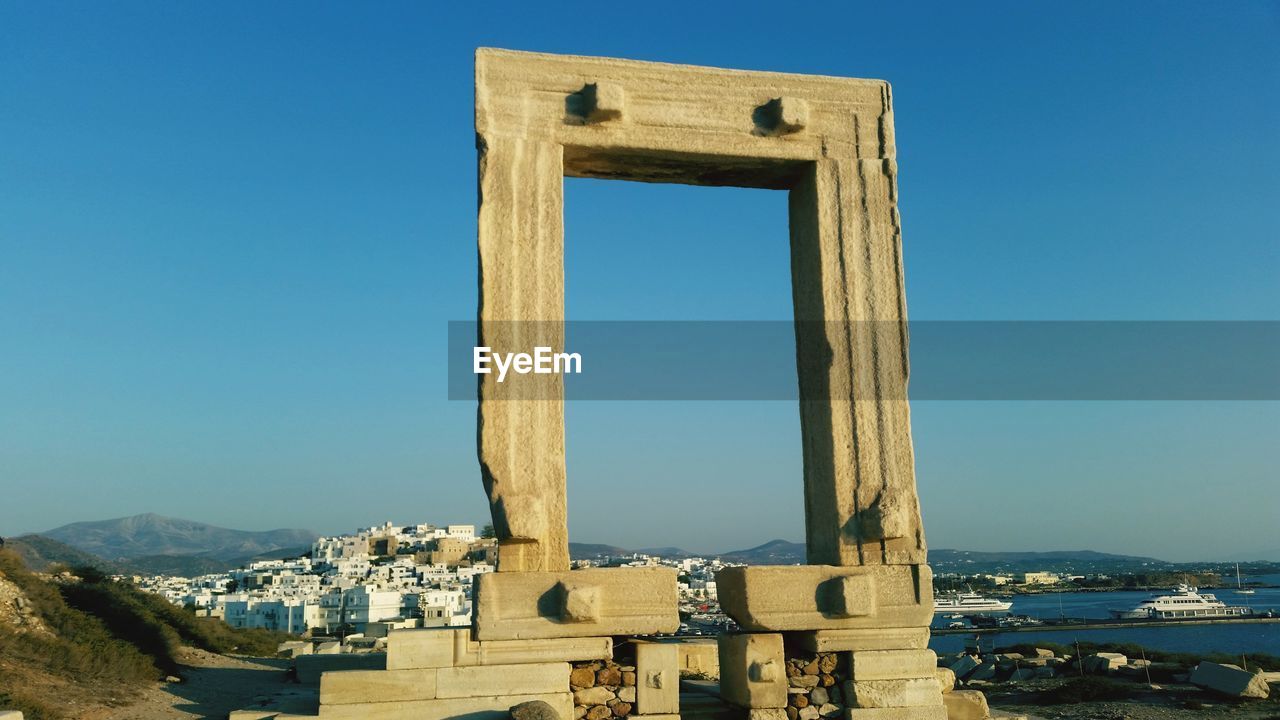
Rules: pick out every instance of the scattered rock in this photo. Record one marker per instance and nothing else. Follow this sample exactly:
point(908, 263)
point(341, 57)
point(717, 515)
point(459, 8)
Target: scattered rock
point(593, 696)
point(629, 678)
point(804, 681)
point(621, 709)
point(609, 676)
point(582, 678)
point(534, 710)
point(1230, 680)
point(819, 696)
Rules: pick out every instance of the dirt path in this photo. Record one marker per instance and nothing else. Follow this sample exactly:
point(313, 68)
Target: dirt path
point(214, 685)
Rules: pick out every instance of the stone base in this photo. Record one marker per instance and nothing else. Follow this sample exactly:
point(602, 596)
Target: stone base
point(753, 670)
point(496, 707)
point(453, 647)
point(382, 686)
point(581, 603)
point(827, 597)
point(854, 640)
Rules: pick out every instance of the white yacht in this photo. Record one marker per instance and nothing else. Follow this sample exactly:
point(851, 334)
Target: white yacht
point(968, 602)
point(1183, 602)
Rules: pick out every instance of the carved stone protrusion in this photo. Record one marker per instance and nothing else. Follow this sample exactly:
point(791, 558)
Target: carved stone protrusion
point(579, 602)
point(851, 596)
point(763, 671)
point(781, 116)
point(597, 102)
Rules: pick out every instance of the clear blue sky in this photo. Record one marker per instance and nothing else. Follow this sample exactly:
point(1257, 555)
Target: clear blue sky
point(232, 234)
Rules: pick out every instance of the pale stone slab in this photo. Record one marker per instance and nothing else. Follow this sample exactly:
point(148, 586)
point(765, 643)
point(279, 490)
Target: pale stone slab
point(892, 664)
point(858, 639)
point(657, 678)
point(472, 708)
point(1230, 680)
point(431, 648)
point(364, 686)
point(753, 670)
point(816, 597)
point(480, 680)
point(920, 692)
point(529, 605)
point(966, 705)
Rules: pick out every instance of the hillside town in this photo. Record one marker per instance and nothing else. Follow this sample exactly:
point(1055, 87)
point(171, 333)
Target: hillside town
point(389, 576)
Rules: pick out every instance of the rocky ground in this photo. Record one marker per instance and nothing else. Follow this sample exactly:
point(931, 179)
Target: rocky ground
point(1169, 702)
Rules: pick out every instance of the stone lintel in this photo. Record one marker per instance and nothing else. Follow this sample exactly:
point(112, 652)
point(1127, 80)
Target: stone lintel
point(580, 603)
point(820, 597)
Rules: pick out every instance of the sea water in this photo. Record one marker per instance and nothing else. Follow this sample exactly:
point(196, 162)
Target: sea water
point(1222, 637)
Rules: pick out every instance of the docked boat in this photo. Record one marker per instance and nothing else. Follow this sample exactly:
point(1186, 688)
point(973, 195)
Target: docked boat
point(1240, 588)
point(1183, 602)
point(968, 602)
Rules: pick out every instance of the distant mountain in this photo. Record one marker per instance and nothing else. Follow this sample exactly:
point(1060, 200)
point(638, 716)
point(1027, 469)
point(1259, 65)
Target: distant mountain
point(147, 535)
point(591, 551)
point(947, 555)
point(38, 553)
point(774, 552)
point(667, 552)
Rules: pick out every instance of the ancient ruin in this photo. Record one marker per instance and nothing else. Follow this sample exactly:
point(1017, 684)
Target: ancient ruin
point(845, 635)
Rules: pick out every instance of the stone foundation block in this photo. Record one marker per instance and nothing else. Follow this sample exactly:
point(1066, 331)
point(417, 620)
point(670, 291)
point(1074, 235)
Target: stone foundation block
point(897, 713)
point(657, 678)
point(820, 597)
point(523, 679)
point(581, 603)
point(453, 647)
point(920, 692)
point(966, 705)
point(311, 667)
point(472, 708)
point(368, 686)
point(892, 664)
point(753, 672)
point(855, 640)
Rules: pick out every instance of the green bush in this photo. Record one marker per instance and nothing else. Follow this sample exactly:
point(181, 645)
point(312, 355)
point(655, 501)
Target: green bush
point(105, 634)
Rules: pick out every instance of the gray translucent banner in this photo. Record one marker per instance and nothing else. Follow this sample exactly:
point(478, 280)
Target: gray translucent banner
point(997, 360)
